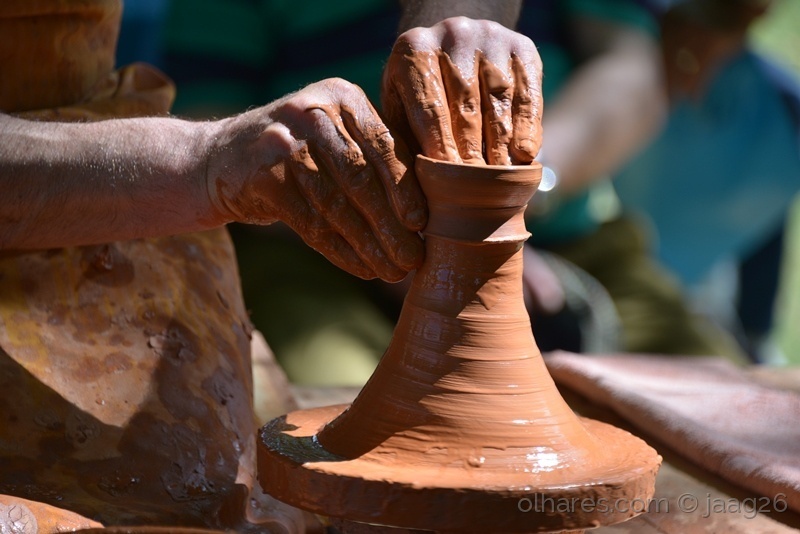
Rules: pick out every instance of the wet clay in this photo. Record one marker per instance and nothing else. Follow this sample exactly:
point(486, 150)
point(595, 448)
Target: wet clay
point(461, 426)
point(482, 106)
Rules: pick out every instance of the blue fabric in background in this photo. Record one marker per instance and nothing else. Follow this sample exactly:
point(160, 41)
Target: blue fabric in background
point(141, 32)
point(723, 173)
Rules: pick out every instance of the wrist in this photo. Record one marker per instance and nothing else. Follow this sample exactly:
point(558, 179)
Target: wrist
point(217, 171)
point(241, 165)
point(426, 13)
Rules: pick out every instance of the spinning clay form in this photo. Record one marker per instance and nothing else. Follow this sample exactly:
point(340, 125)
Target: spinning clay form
point(461, 428)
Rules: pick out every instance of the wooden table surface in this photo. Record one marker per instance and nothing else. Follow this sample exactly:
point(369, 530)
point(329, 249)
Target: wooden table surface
point(688, 499)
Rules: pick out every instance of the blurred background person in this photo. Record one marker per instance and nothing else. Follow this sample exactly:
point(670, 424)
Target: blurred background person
point(717, 183)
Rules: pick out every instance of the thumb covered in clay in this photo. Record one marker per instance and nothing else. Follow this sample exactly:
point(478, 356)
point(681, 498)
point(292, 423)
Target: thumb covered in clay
point(466, 91)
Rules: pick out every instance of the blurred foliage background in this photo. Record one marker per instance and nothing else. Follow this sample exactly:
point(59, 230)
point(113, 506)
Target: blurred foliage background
point(778, 35)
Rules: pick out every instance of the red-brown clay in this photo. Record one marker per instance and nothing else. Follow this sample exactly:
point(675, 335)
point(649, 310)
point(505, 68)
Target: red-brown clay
point(465, 109)
point(461, 423)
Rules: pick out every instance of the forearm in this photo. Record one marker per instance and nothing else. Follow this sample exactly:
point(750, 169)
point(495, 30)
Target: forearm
point(64, 184)
point(424, 13)
point(608, 110)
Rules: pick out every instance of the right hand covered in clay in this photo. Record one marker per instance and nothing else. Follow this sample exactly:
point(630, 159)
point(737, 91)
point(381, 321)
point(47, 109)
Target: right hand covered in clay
point(466, 91)
point(322, 161)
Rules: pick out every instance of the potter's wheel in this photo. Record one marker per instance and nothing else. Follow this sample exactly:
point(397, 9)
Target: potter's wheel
point(475, 497)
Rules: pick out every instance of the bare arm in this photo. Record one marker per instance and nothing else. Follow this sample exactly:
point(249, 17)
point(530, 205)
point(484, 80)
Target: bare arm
point(418, 13)
point(81, 183)
point(321, 160)
point(609, 108)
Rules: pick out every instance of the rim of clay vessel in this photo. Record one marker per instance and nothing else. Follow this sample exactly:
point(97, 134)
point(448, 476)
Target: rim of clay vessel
point(487, 197)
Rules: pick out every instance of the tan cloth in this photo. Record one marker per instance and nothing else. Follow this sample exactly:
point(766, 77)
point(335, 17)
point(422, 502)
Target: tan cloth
point(706, 409)
point(125, 370)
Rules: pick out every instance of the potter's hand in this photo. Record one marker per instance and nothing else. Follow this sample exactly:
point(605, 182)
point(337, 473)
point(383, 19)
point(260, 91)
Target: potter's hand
point(322, 161)
point(466, 90)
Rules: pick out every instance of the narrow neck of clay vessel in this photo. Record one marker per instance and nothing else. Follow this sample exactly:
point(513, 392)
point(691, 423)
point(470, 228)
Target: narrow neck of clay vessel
point(479, 205)
point(474, 239)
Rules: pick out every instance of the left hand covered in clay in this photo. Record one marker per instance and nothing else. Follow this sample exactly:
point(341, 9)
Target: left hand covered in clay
point(323, 162)
point(466, 91)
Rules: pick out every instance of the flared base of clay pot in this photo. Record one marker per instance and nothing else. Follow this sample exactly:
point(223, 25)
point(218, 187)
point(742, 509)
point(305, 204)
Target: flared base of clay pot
point(487, 495)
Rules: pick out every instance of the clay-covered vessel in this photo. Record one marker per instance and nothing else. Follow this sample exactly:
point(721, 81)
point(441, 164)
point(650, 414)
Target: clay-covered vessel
point(461, 428)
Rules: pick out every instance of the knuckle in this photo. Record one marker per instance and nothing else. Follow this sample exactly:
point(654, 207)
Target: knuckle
point(432, 110)
point(297, 103)
point(525, 50)
point(344, 91)
point(278, 137)
point(525, 44)
point(461, 25)
point(495, 30)
point(468, 106)
point(416, 40)
point(316, 119)
point(411, 39)
point(500, 104)
point(337, 83)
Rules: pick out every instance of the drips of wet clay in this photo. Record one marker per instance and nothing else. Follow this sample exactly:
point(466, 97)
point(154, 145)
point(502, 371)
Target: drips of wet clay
point(461, 428)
